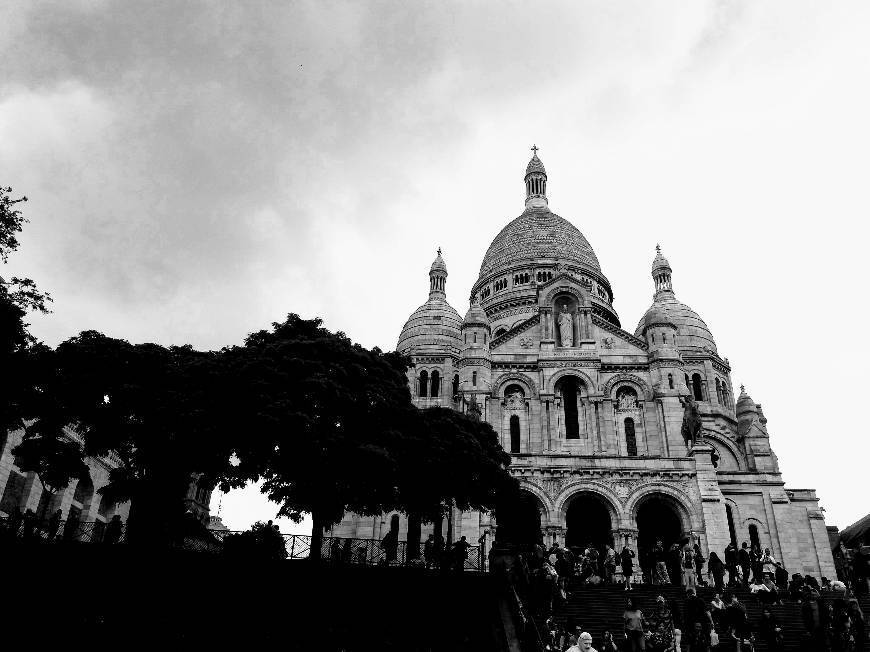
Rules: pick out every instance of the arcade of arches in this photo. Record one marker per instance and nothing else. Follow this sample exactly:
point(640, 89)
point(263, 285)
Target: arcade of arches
point(589, 520)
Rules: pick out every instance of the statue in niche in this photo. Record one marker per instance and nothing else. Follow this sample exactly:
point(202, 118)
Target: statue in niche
point(474, 410)
point(691, 428)
point(627, 401)
point(566, 326)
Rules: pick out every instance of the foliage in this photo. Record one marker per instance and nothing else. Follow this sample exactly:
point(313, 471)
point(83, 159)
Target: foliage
point(55, 458)
point(331, 429)
point(160, 410)
point(18, 296)
point(262, 541)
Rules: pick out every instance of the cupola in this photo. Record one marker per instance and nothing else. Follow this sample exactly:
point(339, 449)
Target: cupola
point(536, 182)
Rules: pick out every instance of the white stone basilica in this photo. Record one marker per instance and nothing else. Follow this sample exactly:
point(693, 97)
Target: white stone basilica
point(591, 413)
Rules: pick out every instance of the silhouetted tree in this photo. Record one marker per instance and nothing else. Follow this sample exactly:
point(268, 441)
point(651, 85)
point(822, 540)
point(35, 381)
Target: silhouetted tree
point(161, 410)
point(331, 428)
point(18, 296)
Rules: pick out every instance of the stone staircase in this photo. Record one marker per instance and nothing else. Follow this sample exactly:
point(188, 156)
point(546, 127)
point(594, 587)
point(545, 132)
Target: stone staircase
point(600, 608)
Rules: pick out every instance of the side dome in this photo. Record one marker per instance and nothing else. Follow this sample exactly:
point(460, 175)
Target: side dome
point(434, 326)
point(535, 236)
point(692, 332)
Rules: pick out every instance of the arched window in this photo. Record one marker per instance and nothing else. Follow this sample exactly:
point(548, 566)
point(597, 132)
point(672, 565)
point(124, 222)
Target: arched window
point(475, 337)
point(670, 381)
point(474, 379)
point(664, 338)
point(455, 384)
point(653, 337)
point(569, 389)
point(719, 393)
point(731, 531)
point(630, 438)
point(696, 387)
point(515, 434)
point(753, 536)
point(424, 382)
point(436, 384)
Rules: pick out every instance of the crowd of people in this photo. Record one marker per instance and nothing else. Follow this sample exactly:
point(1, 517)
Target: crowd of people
point(831, 615)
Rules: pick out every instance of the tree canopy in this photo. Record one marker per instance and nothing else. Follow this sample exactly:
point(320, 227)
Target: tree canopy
point(332, 429)
point(18, 296)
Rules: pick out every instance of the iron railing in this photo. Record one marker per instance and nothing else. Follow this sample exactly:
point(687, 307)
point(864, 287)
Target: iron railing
point(63, 531)
point(335, 550)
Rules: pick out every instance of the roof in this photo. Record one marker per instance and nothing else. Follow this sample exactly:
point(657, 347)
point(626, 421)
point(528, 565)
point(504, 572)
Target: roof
point(432, 326)
point(537, 235)
point(692, 332)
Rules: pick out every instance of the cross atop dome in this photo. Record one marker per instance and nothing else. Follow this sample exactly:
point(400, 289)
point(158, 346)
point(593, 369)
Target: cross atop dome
point(534, 150)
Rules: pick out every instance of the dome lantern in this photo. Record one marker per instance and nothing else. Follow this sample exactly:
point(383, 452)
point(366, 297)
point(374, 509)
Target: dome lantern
point(536, 182)
point(438, 277)
point(661, 273)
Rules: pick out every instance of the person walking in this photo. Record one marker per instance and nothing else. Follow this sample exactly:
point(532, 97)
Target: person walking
point(660, 572)
point(634, 626)
point(625, 560)
point(688, 568)
point(768, 563)
point(661, 627)
point(699, 563)
point(609, 564)
point(460, 554)
point(745, 560)
point(731, 563)
point(770, 630)
point(716, 571)
point(738, 624)
point(755, 556)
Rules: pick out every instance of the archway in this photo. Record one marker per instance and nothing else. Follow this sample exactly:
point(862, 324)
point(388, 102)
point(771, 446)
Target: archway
point(588, 521)
point(657, 519)
point(518, 520)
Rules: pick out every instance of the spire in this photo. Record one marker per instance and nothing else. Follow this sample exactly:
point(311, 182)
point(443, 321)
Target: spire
point(661, 273)
point(536, 182)
point(438, 277)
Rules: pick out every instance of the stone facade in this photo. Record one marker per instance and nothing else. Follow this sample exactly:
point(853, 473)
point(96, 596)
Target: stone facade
point(589, 410)
point(80, 501)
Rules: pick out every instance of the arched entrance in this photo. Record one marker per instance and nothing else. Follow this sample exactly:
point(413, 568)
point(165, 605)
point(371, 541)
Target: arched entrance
point(657, 519)
point(588, 521)
point(518, 520)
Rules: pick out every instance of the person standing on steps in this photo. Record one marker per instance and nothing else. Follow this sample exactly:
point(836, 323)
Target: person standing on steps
point(731, 563)
point(625, 560)
point(634, 627)
point(716, 571)
point(585, 643)
point(660, 572)
point(745, 563)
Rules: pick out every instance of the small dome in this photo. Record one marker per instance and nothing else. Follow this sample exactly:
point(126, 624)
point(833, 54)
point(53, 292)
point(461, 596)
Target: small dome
point(660, 262)
point(656, 316)
point(745, 404)
point(438, 265)
point(535, 165)
point(475, 316)
point(692, 332)
point(434, 326)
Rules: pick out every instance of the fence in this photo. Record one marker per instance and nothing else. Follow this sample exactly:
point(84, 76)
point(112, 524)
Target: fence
point(62, 531)
point(334, 550)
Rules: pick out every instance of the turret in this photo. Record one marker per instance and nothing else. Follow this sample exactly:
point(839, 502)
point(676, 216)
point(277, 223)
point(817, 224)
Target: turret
point(536, 182)
point(752, 434)
point(475, 359)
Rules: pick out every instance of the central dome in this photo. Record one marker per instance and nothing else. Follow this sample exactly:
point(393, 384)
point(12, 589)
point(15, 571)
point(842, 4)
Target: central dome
point(535, 236)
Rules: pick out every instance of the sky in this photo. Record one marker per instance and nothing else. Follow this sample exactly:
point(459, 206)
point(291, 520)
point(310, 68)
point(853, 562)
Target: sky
point(196, 171)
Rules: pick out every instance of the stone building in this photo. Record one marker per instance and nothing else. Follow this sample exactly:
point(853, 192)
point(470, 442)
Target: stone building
point(80, 502)
point(591, 413)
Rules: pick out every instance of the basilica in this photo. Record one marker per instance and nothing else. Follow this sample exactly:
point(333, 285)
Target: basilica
point(594, 416)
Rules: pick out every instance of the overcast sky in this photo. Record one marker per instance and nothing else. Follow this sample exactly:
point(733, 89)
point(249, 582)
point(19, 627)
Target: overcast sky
point(198, 170)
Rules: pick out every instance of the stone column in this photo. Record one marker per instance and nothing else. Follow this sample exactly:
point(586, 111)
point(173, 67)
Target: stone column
point(596, 402)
